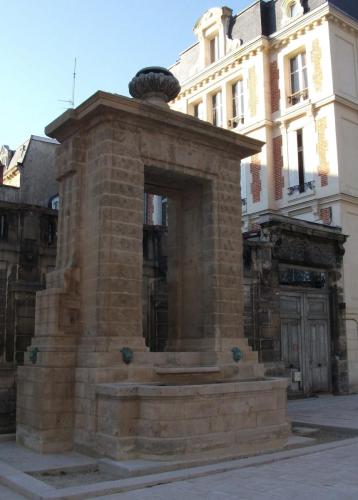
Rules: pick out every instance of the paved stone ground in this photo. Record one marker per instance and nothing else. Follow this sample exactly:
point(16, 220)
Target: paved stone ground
point(332, 411)
point(327, 474)
point(6, 494)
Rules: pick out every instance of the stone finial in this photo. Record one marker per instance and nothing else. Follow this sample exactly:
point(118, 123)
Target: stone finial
point(154, 84)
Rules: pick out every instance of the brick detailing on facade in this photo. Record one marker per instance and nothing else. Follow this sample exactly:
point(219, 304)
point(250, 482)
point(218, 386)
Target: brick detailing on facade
point(322, 150)
point(279, 180)
point(316, 56)
point(255, 169)
point(326, 215)
point(252, 87)
point(275, 90)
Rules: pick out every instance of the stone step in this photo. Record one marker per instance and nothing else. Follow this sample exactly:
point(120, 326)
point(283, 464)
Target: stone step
point(163, 370)
point(180, 358)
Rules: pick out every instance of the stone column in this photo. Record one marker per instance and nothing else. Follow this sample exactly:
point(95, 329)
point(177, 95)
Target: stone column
point(45, 397)
point(229, 291)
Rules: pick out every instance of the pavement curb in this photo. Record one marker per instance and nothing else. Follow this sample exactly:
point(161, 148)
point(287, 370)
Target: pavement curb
point(30, 487)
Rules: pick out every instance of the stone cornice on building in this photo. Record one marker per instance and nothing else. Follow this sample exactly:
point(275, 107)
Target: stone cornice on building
point(309, 22)
point(230, 62)
point(306, 202)
point(256, 126)
point(346, 198)
point(349, 103)
point(301, 226)
point(279, 39)
point(298, 28)
point(309, 107)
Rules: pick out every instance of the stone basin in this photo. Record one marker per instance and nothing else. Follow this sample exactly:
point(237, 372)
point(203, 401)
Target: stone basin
point(170, 420)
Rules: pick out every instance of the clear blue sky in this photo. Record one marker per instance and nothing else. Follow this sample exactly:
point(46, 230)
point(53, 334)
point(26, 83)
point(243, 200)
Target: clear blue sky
point(112, 40)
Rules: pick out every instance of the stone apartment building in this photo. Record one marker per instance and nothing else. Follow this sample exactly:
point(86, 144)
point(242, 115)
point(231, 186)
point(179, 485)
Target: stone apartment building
point(28, 228)
point(286, 72)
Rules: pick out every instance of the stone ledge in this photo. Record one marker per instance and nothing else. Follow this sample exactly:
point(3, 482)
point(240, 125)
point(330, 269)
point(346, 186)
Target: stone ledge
point(153, 389)
point(186, 369)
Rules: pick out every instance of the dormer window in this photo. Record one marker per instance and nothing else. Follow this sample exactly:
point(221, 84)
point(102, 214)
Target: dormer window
point(212, 33)
point(294, 9)
point(214, 49)
point(291, 9)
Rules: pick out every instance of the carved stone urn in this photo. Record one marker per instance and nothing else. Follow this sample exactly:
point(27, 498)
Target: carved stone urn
point(154, 84)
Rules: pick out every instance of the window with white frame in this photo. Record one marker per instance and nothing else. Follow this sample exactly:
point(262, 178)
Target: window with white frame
point(238, 103)
point(214, 51)
point(300, 157)
point(290, 9)
point(216, 108)
point(298, 78)
point(198, 110)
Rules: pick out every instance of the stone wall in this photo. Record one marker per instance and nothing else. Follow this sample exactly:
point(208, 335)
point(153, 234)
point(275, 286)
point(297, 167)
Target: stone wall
point(28, 252)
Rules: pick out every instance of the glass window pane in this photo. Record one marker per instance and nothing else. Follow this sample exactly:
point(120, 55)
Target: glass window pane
point(212, 50)
point(299, 138)
point(294, 64)
point(295, 83)
point(304, 78)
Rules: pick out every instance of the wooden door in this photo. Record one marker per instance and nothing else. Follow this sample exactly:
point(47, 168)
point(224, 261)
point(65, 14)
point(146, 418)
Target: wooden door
point(305, 338)
point(291, 330)
point(316, 339)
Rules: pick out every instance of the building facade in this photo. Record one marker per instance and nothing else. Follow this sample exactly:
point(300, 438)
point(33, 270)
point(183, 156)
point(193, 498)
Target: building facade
point(293, 314)
point(30, 171)
point(286, 72)
point(28, 238)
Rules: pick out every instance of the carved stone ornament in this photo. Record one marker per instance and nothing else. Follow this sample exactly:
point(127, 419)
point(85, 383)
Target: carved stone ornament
point(154, 84)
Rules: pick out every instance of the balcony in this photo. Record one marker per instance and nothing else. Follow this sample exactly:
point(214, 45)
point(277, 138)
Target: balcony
point(297, 97)
point(301, 188)
point(236, 121)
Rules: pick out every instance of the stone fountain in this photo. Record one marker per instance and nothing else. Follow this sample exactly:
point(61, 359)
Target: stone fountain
point(89, 381)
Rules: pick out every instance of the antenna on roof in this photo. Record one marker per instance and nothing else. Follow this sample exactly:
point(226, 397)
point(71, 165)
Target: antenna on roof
point(71, 101)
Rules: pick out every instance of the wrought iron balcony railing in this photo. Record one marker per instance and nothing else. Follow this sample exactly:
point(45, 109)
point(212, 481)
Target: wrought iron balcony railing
point(301, 188)
point(299, 96)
